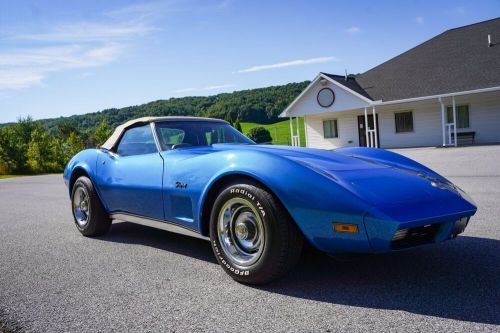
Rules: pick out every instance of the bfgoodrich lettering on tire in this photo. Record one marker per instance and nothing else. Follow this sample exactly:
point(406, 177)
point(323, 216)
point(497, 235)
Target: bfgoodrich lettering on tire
point(252, 235)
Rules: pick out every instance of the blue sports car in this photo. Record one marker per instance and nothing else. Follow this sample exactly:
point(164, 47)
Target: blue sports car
point(258, 204)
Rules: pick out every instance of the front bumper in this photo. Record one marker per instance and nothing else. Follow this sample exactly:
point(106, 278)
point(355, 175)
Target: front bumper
point(387, 236)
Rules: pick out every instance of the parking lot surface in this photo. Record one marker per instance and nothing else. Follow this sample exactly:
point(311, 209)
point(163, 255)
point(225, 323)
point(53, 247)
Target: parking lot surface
point(136, 278)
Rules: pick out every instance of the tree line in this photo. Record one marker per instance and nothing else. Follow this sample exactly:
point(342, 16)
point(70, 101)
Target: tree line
point(45, 146)
point(29, 147)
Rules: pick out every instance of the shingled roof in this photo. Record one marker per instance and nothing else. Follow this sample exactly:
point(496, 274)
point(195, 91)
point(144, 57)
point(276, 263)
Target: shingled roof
point(456, 60)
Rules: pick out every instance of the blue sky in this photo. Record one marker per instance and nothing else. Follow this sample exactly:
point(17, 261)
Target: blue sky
point(59, 58)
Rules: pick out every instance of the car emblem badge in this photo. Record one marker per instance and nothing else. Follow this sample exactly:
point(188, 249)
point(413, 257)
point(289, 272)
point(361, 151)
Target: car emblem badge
point(181, 185)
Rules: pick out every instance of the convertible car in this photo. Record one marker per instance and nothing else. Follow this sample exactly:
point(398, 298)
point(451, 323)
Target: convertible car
point(258, 204)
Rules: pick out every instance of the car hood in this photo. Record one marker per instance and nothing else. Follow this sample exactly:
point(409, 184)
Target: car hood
point(327, 160)
point(390, 187)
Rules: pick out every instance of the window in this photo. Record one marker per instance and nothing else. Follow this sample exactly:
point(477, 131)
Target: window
point(171, 136)
point(404, 122)
point(462, 115)
point(197, 133)
point(137, 141)
point(330, 129)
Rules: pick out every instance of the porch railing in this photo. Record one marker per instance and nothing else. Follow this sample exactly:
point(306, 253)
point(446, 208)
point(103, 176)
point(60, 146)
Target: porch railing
point(370, 138)
point(450, 129)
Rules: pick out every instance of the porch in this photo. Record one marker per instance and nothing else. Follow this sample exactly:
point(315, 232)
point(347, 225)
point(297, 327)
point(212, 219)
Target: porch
point(441, 121)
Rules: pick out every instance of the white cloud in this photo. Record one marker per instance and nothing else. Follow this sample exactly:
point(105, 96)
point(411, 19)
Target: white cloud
point(419, 19)
point(28, 67)
point(207, 88)
point(353, 30)
point(87, 32)
point(19, 79)
point(310, 61)
point(68, 46)
point(60, 57)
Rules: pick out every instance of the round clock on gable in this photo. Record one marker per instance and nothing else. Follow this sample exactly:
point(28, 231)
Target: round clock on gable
point(325, 97)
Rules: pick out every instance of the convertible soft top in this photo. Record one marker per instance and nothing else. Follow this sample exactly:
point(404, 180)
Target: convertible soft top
point(113, 139)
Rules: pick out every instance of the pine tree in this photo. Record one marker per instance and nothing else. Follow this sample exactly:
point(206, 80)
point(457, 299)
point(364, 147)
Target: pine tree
point(237, 125)
point(229, 119)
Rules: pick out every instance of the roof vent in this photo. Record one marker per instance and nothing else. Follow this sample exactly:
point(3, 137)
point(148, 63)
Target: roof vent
point(490, 44)
point(346, 74)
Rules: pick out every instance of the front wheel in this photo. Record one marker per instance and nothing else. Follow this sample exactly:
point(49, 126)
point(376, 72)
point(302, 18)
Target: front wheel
point(253, 237)
point(89, 214)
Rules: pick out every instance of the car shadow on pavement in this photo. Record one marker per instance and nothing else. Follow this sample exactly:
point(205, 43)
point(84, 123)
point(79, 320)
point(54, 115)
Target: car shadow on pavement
point(132, 233)
point(458, 280)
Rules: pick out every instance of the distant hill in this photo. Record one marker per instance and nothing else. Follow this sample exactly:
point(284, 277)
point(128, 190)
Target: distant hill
point(262, 105)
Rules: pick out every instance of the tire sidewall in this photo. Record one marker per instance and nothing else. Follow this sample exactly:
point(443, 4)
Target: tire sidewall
point(96, 223)
point(253, 195)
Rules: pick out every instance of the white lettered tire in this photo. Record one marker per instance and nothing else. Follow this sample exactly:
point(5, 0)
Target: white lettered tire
point(253, 237)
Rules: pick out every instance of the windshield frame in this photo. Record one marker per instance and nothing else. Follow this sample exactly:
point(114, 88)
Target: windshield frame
point(215, 122)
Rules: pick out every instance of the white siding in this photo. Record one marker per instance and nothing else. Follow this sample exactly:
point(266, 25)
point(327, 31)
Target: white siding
point(347, 126)
point(308, 103)
point(484, 119)
point(484, 116)
point(427, 130)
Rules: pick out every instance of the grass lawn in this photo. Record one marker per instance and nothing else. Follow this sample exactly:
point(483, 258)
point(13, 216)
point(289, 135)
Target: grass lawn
point(10, 176)
point(280, 131)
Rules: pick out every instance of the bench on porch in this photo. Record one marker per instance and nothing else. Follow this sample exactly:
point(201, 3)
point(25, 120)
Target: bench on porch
point(466, 137)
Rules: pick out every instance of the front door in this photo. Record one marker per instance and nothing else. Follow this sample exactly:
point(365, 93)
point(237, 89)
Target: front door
point(131, 178)
point(362, 131)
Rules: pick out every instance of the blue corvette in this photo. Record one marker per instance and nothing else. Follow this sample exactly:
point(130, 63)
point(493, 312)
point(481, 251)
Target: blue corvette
point(258, 204)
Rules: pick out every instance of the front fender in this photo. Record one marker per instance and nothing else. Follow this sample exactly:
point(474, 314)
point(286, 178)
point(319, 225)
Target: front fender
point(314, 200)
point(85, 160)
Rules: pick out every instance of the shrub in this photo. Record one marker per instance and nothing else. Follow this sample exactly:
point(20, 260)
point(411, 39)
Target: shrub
point(260, 135)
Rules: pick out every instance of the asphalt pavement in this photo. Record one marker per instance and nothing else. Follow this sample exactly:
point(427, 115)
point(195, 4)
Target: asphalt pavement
point(140, 279)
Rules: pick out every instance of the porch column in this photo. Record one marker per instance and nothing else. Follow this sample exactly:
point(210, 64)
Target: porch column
point(454, 119)
point(375, 144)
point(291, 130)
point(366, 129)
point(443, 120)
point(298, 131)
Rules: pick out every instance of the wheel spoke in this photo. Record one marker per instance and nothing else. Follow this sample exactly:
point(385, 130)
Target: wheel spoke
point(241, 231)
point(81, 206)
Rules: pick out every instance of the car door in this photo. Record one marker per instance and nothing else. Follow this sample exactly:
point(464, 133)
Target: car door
point(130, 178)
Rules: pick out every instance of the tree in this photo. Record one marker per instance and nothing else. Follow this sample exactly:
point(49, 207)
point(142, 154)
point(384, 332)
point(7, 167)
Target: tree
point(14, 141)
point(65, 128)
point(102, 132)
point(229, 119)
point(237, 125)
point(260, 135)
point(42, 152)
point(5, 162)
point(73, 144)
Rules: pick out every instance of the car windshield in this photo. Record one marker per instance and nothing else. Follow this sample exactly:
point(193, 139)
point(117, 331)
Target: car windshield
point(177, 134)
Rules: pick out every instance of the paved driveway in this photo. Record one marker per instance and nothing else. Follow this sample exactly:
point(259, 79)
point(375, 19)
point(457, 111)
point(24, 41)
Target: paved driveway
point(139, 279)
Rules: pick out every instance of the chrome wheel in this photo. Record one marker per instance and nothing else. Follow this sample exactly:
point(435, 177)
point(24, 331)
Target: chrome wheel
point(81, 206)
point(241, 231)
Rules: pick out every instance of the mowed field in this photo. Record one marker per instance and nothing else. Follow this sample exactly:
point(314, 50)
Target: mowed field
point(280, 131)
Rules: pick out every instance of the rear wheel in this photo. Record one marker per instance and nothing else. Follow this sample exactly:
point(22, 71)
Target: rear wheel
point(89, 214)
point(252, 235)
